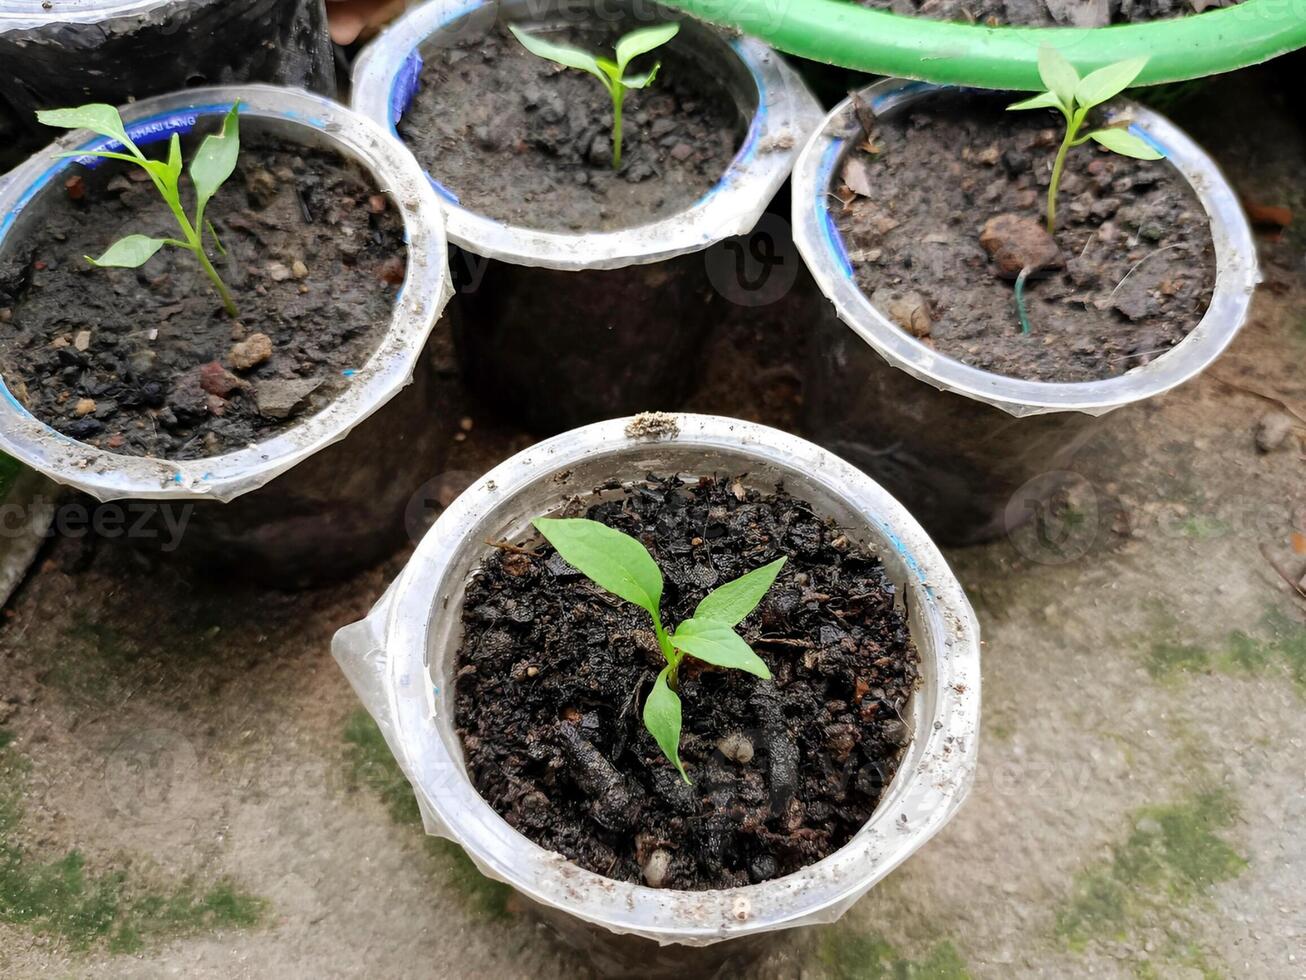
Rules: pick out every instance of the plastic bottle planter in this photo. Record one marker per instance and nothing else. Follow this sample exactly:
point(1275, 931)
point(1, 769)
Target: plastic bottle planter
point(327, 503)
point(69, 52)
point(401, 661)
point(974, 453)
point(613, 318)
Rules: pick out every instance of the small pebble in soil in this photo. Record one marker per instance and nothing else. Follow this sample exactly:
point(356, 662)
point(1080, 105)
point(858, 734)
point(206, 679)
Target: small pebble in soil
point(279, 398)
point(252, 351)
point(910, 310)
point(1017, 243)
point(736, 748)
point(656, 868)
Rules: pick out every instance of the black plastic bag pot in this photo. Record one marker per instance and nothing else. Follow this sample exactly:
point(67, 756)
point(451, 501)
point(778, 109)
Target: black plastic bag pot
point(563, 328)
point(70, 52)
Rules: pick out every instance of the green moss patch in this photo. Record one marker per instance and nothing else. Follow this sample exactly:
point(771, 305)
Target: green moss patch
point(372, 765)
point(846, 955)
point(1278, 643)
point(61, 897)
point(1174, 854)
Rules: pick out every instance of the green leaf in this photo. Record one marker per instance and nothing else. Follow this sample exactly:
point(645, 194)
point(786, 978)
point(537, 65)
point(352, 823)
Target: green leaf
point(174, 160)
point(1045, 100)
point(1107, 83)
point(732, 602)
point(130, 252)
point(643, 40)
point(1058, 75)
point(613, 560)
point(97, 117)
point(215, 160)
point(1126, 144)
point(662, 719)
point(560, 53)
point(644, 80)
point(717, 644)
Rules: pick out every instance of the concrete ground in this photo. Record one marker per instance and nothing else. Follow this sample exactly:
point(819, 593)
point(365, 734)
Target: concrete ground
point(188, 787)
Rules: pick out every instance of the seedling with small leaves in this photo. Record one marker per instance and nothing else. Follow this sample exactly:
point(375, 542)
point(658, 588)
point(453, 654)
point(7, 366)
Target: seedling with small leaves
point(1074, 98)
point(212, 164)
point(618, 563)
point(611, 73)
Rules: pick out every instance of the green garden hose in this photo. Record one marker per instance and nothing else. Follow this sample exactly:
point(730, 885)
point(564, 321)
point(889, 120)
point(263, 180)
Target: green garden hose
point(839, 32)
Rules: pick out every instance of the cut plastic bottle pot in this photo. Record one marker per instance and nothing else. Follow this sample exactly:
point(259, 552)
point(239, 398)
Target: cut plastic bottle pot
point(327, 494)
point(563, 328)
point(975, 454)
point(401, 661)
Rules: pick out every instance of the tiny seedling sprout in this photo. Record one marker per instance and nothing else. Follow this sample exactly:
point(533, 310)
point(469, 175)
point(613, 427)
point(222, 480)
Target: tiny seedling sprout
point(212, 164)
point(1074, 98)
point(618, 563)
point(611, 73)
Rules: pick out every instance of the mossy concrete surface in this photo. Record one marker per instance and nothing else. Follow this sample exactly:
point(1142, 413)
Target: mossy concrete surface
point(190, 787)
point(116, 907)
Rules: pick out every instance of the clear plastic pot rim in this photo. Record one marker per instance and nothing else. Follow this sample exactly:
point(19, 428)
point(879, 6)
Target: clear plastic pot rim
point(29, 14)
point(384, 80)
point(418, 304)
point(389, 656)
point(822, 248)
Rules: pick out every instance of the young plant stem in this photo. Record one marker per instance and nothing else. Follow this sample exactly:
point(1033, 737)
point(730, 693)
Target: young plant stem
point(228, 302)
point(1057, 168)
point(1073, 124)
point(194, 242)
point(669, 653)
point(1020, 300)
point(618, 98)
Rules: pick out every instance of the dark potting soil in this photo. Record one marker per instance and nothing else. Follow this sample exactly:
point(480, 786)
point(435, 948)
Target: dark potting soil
point(525, 141)
point(553, 673)
point(145, 361)
point(1048, 13)
point(1136, 268)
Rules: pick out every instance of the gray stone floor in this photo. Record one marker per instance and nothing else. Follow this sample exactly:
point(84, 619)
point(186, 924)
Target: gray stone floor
point(187, 784)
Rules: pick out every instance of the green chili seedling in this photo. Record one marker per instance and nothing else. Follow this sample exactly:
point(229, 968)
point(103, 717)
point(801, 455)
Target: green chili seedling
point(1074, 98)
point(611, 73)
point(618, 563)
point(212, 164)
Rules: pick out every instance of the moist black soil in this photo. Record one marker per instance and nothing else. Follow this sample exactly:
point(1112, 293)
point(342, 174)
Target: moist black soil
point(146, 362)
point(1139, 261)
point(1048, 13)
point(553, 673)
point(526, 141)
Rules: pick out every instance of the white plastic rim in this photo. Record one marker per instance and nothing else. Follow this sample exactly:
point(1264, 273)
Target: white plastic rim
point(25, 14)
point(400, 660)
point(785, 114)
point(822, 248)
point(418, 304)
